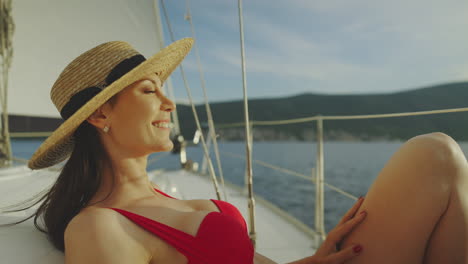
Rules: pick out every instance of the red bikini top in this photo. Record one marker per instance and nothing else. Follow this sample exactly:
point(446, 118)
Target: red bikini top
point(221, 238)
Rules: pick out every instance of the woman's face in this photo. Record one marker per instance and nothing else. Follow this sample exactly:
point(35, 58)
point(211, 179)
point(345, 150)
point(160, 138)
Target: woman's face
point(136, 115)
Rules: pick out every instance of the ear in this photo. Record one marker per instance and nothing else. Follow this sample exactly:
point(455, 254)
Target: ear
point(100, 117)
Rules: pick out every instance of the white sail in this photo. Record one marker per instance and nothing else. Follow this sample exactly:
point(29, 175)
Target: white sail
point(49, 34)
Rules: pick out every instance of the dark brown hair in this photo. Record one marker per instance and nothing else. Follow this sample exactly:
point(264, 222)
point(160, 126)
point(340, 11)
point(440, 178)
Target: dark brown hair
point(76, 184)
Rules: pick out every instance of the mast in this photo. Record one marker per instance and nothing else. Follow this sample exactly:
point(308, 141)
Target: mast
point(6, 54)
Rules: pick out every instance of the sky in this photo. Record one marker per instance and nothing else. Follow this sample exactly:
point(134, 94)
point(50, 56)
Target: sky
point(326, 47)
point(292, 47)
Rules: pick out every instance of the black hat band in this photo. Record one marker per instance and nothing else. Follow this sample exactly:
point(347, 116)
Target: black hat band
point(82, 97)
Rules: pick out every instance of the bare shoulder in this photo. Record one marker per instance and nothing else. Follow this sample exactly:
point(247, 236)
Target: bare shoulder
point(96, 234)
point(98, 219)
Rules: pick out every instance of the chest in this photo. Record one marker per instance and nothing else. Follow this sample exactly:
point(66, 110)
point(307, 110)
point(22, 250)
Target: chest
point(183, 215)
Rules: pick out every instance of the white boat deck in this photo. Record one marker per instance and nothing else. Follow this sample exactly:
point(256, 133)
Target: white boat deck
point(277, 237)
point(23, 243)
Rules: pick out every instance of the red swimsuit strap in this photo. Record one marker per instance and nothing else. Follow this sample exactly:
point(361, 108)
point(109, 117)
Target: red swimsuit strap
point(161, 192)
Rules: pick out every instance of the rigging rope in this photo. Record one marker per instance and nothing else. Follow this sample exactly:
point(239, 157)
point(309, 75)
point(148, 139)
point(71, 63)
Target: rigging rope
point(194, 110)
point(211, 125)
point(168, 87)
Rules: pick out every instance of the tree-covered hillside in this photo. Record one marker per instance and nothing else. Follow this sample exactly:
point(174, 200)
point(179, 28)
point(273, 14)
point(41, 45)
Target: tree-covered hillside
point(454, 95)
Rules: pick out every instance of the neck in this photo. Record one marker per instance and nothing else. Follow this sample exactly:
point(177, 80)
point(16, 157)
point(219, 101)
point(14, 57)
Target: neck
point(128, 181)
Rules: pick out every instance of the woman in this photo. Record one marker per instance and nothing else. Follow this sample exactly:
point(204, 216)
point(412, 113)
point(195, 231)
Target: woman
point(104, 209)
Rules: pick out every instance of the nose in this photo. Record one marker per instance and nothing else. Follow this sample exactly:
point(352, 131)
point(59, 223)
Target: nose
point(167, 105)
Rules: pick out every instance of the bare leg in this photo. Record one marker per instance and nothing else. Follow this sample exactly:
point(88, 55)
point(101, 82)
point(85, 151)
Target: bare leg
point(417, 207)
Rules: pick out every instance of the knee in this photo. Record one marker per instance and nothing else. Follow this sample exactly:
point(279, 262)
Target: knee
point(440, 149)
point(443, 144)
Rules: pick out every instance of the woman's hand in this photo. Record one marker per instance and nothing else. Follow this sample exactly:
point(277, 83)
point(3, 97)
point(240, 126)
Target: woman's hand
point(329, 252)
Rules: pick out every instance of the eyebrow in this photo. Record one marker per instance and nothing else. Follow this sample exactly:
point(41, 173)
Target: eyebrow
point(153, 81)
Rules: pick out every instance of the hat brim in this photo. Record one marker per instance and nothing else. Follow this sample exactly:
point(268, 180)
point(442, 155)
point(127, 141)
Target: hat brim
point(59, 145)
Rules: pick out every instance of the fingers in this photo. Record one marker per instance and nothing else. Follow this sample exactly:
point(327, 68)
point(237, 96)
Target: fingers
point(351, 212)
point(349, 221)
point(341, 231)
point(336, 235)
point(344, 255)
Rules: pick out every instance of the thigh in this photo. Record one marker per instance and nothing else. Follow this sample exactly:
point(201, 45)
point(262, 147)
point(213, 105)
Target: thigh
point(448, 242)
point(405, 202)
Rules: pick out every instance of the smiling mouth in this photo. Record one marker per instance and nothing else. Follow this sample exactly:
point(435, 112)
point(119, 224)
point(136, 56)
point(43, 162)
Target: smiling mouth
point(163, 125)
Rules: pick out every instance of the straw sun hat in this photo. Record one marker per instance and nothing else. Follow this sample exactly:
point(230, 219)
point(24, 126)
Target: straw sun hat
point(93, 78)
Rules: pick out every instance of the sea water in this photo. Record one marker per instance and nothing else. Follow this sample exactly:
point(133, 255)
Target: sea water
point(350, 166)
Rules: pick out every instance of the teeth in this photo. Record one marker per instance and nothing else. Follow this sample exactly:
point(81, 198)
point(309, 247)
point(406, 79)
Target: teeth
point(165, 125)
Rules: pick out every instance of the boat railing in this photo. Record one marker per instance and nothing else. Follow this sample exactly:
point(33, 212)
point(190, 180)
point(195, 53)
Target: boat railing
point(292, 173)
point(317, 175)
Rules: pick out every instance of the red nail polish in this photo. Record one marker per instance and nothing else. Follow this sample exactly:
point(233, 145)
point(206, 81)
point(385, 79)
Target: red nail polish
point(357, 249)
